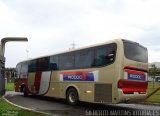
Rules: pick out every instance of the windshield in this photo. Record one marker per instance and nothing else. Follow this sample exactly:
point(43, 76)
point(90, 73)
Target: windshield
point(135, 52)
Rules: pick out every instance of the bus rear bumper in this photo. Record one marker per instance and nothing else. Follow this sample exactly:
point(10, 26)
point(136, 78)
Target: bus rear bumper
point(131, 98)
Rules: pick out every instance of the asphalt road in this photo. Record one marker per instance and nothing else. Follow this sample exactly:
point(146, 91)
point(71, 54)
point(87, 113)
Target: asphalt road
point(59, 107)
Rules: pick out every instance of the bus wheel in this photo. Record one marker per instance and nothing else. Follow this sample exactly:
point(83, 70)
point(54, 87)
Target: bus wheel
point(25, 92)
point(72, 96)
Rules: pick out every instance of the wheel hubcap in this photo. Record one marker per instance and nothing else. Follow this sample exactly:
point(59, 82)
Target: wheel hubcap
point(72, 97)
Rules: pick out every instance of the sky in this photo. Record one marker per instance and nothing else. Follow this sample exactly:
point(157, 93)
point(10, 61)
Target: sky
point(51, 26)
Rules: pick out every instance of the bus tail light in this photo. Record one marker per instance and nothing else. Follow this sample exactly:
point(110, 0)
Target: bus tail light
point(131, 86)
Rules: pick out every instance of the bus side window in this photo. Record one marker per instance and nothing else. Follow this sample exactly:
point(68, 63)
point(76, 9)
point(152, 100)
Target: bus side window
point(18, 69)
point(24, 68)
point(53, 63)
point(43, 64)
point(32, 66)
point(53, 66)
point(66, 61)
point(84, 58)
point(105, 55)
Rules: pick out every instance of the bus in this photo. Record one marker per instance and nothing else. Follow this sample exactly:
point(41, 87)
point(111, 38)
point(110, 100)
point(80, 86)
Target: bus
point(110, 72)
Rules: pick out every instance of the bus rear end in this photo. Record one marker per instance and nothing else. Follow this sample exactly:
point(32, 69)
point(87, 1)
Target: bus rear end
point(132, 86)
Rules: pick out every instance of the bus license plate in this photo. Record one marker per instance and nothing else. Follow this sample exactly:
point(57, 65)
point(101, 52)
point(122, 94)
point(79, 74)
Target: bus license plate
point(136, 93)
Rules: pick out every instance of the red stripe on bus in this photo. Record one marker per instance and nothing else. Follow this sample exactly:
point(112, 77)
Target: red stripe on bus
point(134, 72)
point(134, 68)
point(84, 77)
point(132, 85)
point(72, 73)
point(134, 89)
point(75, 72)
point(37, 81)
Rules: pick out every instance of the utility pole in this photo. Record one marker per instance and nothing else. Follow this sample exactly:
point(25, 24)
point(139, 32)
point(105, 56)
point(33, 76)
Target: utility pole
point(27, 53)
point(73, 46)
point(2, 59)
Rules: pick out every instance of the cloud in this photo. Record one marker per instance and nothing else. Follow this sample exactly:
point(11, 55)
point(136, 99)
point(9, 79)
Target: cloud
point(153, 51)
point(52, 25)
point(46, 13)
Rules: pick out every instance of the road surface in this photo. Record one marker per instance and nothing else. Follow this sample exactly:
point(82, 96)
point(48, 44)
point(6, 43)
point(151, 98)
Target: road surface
point(59, 107)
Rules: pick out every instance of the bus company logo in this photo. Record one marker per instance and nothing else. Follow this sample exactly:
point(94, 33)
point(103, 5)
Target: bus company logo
point(73, 77)
point(79, 76)
point(83, 76)
point(136, 76)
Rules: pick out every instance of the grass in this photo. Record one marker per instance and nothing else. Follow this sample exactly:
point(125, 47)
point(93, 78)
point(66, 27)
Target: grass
point(9, 87)
point(155, 98)
point(7, 109)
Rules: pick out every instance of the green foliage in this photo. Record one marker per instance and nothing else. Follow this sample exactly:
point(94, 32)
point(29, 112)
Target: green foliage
point(9, 87)
point(153, 71)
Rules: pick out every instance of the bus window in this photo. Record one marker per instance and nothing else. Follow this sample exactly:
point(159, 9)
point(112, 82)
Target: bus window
point(18, 70)
point(32, 66)
point(42, 64)
point(66, 61)
point(84, 58)
point(135, 52)
point(53, 63)
point(24, 68)
point(105, 54)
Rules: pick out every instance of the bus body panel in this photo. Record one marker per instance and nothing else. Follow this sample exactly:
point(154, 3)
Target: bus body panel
point(86, 89)
point(97, 85)
point(135, 73)
point(135, 95)
point(31, 87)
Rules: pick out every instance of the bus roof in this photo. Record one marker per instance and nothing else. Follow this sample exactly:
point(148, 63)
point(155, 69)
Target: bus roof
point(81, 48)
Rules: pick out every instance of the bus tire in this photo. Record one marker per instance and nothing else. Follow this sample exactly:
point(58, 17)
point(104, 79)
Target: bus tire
point(22, 88)
point(25, 92)
point(72, 96)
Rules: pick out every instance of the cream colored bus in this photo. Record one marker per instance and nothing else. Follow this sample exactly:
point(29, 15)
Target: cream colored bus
point(112, 72)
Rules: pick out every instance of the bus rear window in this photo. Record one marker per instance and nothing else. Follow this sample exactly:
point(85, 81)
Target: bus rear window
point(135, 52)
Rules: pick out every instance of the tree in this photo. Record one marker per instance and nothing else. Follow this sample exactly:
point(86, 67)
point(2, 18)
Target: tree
point(153, 72)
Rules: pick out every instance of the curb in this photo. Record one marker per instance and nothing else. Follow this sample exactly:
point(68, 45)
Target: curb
point(27, 108)
point(151, 103)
